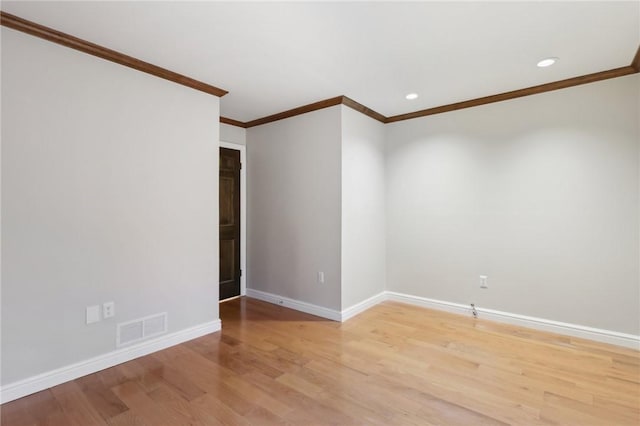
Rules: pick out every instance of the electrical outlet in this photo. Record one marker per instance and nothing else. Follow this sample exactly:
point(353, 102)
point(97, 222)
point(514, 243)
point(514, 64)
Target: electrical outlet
point(483, 281)
point(108, 310)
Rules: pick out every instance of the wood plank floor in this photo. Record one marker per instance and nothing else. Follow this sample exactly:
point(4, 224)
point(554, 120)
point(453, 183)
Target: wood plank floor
point(392, 365)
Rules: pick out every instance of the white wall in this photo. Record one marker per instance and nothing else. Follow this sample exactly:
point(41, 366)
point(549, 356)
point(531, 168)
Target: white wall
point(363, 208)
point(233, 134)
point(109, 193)
point(294, 208)
point(539, 193)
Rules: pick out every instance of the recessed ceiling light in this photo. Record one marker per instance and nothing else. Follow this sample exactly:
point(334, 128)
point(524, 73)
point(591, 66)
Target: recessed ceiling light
point(412, 96)
point(547, 62)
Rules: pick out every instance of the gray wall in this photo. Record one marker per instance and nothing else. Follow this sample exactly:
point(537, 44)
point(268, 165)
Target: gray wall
point(233, 134)
point(294, 213)
point(540, 193)
point(363, 208)
point(109, 193)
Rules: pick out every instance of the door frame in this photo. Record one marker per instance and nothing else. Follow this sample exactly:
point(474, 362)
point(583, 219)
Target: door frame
point(243, 211)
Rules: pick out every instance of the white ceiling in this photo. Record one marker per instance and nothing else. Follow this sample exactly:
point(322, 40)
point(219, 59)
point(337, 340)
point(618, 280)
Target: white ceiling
point(275, 56)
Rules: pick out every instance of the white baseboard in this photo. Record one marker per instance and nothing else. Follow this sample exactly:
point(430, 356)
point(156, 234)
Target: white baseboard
point(454, 308)
point(309, 308)
point(312, 309)
point(49, 379)
point(354, 310)
point(574, 330)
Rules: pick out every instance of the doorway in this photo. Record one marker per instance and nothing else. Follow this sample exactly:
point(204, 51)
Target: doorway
point(230, 223)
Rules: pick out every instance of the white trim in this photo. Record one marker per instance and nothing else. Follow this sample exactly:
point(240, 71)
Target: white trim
point(455, 308)
point(309, 308)
point(354, 310)
point(596, 334)
point(49, 379)
point(243, 211)
point(567, 329)
point(575, 330)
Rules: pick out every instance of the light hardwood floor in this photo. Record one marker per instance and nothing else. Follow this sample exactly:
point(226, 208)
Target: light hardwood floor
point(394, 364)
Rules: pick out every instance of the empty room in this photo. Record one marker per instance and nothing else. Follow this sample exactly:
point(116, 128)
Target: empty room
point(320, 213)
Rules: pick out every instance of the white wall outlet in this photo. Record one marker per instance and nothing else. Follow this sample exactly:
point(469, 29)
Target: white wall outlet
point(321, 277)
point(108, 310)
point(483, 281)
point(93, 314)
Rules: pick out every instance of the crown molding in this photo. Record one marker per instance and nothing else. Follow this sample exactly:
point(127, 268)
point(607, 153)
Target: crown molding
point(14, 22)
point(363, 109)
point(338, 100)
point(19, 24)
point(232, 122)
point(534, 90)
point(295, 111)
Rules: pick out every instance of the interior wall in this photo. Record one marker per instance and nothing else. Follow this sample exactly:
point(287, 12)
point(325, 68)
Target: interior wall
point(109, 193)
point(363, 208)
point(233, 134)
point(541, 194)
point(294, 212)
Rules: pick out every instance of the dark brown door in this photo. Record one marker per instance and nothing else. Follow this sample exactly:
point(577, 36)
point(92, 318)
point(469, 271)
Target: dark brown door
point(229, 223)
